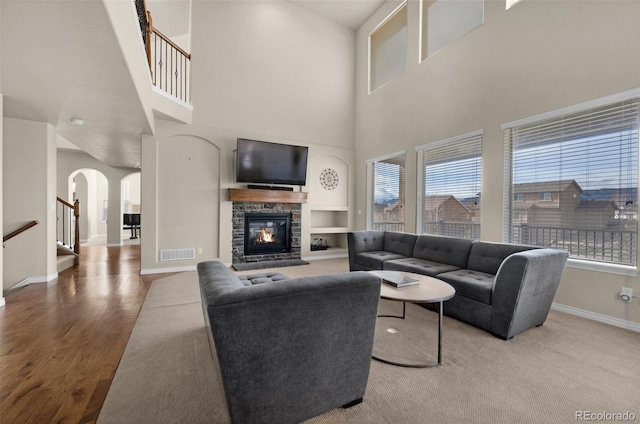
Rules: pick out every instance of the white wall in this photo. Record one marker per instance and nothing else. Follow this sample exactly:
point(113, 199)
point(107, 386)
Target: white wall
point(262, 70)
point(29, 171)
point(536, 57)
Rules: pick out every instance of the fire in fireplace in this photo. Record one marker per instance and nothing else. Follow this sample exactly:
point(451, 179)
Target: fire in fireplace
point(267, 233)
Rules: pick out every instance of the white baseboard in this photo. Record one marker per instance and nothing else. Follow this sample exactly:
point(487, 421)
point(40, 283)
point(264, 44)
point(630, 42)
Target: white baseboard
point(2, 302)
point(167, 270)
point(115, 244)
point(616, 322)
point(35, 280)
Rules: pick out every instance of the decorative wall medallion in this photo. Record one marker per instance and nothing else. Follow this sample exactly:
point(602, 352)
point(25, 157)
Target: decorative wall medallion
point(329, 179)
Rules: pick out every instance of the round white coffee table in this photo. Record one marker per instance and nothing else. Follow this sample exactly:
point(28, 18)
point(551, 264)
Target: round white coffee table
point(429, 290)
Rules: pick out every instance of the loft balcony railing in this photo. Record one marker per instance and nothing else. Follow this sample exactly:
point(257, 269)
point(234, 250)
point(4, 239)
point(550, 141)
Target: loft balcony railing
point(169, 64)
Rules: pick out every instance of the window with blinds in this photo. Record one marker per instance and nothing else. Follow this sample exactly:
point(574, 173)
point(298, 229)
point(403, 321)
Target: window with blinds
point(571, 181)
point(386, 194)
point(449, 183)
point(388, 48)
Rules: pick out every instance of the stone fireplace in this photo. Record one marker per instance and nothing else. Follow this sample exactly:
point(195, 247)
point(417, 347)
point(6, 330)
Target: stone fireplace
point(246, 253)
point(267, 233)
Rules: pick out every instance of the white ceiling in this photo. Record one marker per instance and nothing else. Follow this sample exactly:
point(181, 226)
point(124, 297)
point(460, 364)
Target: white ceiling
point(67, 63)
point(348, 13)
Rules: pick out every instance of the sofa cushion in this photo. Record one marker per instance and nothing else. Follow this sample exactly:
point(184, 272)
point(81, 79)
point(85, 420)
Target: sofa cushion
point(443, 250)
point(486, 257)
point(376, 259)
point(265, 277)
point(419, 266)
point(400, 243)
point(471, 284)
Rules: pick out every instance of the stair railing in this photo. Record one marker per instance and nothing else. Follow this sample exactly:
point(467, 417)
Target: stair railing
point(20, 230)
point(169, 64)
point(68, 228)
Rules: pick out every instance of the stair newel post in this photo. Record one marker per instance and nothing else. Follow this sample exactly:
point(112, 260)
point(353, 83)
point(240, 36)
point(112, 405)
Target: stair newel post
point(76, 242)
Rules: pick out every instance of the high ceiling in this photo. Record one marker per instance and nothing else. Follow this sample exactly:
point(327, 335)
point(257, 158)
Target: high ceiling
point(67, 63)
point(348, 13)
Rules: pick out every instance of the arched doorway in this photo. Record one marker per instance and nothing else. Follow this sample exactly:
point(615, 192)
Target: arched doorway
point(131, 207)
point(91, 188)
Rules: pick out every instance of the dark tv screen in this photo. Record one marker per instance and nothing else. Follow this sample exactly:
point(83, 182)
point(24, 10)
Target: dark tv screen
point(271, 163)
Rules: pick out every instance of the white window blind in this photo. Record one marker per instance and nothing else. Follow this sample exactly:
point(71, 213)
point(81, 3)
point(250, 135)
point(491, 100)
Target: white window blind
point(388, 49)
point(577, 176)
point(445, 21)
point(449, 184)
point(386, 205)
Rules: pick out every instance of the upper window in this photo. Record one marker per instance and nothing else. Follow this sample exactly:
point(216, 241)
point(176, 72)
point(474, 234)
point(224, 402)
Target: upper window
point(586, 160)
point(511, 3)
point(449, 183)
point(385, 194)
point(388, 49)
point(445, 21)
point(518, 197)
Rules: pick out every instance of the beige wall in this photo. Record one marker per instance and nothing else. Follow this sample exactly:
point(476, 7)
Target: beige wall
point(180, 153)
point(536, 57)
point(261, 70)
point(274, 69)
point(32, 254)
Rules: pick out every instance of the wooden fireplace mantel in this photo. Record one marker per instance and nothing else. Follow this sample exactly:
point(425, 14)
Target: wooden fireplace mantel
point(271, 196)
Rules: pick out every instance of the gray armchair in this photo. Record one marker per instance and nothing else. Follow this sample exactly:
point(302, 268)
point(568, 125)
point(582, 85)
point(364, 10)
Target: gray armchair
point(292, 349)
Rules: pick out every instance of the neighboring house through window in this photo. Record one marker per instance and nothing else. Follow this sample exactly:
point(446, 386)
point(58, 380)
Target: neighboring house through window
point(574, 173)
point(449, 183)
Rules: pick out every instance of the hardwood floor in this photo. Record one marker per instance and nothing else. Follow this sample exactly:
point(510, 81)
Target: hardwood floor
point(61, 342)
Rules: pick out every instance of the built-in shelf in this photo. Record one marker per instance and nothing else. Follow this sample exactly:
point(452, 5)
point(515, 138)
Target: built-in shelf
point(332, 251)
point(328, 230)
point(274, 196)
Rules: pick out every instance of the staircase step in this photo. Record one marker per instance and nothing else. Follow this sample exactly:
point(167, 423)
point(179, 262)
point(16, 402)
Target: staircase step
point(65, 262)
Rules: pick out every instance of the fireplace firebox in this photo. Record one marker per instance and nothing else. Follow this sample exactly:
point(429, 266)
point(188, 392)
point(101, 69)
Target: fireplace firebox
point(267, 233)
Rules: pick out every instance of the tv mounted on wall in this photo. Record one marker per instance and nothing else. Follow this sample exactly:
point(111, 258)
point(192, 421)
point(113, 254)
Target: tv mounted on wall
point(271, 163)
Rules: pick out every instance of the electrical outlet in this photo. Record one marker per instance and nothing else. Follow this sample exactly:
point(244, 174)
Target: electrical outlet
point(199, 250)
point(626, 294)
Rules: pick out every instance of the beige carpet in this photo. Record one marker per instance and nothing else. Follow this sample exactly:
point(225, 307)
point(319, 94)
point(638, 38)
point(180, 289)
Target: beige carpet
point(544, 375)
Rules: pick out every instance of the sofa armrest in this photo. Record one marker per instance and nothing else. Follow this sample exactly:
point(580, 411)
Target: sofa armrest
point(524, 289)
point(295, 348)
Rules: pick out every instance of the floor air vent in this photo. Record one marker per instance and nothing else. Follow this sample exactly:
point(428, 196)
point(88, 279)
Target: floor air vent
point(177, 254)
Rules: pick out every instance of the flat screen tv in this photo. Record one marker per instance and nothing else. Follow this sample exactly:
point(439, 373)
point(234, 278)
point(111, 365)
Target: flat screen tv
point(271, 163)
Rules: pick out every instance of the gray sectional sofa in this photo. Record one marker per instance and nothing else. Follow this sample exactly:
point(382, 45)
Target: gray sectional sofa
point(502, 288)
point(289, 349)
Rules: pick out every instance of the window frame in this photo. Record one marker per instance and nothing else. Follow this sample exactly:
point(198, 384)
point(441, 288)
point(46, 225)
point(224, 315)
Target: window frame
point(573, 262)
point(421, 151)
point(371, 185)
point(387, 19)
